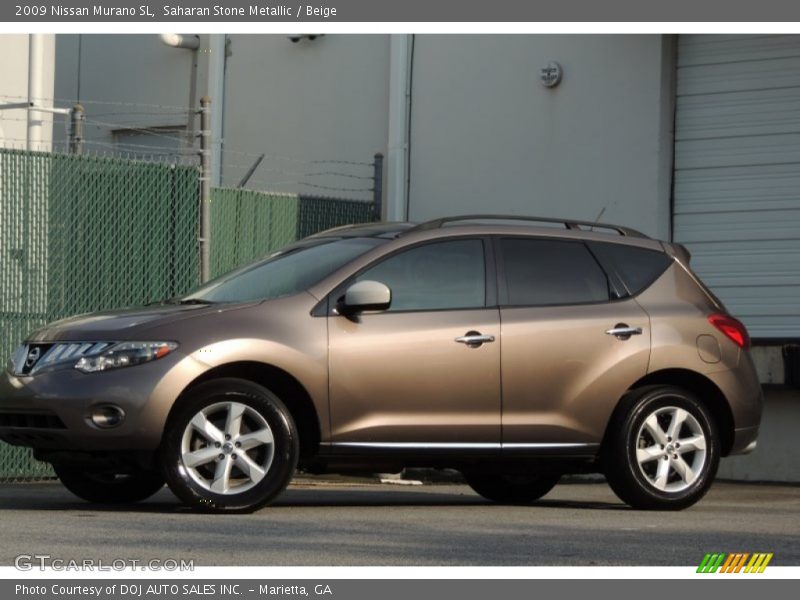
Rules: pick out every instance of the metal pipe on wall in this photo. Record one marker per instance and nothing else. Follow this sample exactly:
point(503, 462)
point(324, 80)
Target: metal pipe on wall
point(192, 43)
point(216, 89)
point(36, 74)
point(399, 96)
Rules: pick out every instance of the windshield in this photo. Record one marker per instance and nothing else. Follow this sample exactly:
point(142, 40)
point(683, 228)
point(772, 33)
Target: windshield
point(289, 271)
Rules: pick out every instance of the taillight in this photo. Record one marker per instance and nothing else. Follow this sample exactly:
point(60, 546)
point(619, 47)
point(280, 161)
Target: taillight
point(732, 328)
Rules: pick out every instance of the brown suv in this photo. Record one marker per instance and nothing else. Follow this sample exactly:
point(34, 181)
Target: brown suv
point(513, 349)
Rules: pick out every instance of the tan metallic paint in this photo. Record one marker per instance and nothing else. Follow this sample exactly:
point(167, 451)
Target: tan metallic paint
point(401, 377)
point(562, 374)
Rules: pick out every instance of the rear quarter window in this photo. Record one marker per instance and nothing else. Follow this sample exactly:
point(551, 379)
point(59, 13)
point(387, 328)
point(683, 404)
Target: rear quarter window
point(637, 268)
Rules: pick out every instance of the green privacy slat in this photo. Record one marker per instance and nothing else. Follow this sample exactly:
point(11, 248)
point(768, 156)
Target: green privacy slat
point(250, 224)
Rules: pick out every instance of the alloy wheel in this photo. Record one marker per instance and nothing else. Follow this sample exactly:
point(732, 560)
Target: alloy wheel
point(671, 449)
point(227, 448)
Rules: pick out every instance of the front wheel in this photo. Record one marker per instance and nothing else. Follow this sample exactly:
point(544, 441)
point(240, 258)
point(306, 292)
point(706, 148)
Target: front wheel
point(230, 446)
point(663, 449)
point(110, 488)
point(506, 488)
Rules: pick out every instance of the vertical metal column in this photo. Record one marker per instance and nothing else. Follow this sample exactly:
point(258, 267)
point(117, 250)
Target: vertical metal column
point(205, 189)
point(377, 187)
point(77, 120)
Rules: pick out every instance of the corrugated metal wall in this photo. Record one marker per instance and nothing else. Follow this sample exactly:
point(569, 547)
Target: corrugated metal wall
point(737, 173)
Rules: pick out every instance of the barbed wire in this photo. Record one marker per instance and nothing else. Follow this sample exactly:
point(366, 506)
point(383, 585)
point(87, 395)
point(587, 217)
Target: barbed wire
point(96, 102)
point(161, 149)
point(260, 169)
point(24, 140)
point(125, 149)
point(182, 137)
point(265, 183)
point(48, 119)
point(342, 162)
point(140, 129)
point(138, 153)
point(61, 148)
point(141, 112)
point(338, 189)
point(184, 152)
point(174, 110)
point(295, 159)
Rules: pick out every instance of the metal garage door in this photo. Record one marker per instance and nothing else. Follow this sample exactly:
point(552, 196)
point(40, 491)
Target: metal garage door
point(737, 173)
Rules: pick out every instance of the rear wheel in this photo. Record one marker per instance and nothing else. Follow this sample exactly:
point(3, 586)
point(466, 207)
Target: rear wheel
point(506, 488)
point(663, 450)
point(110, 488)
point(231, 446)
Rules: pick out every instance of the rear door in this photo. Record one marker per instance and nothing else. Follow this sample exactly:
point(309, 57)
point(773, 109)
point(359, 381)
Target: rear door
point(563, 367)
point(403, 378)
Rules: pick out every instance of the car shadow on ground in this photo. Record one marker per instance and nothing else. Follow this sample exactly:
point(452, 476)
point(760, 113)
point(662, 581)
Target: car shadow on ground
point(51, 497)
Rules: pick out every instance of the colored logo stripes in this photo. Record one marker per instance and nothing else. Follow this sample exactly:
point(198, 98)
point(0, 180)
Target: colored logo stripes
point(735, 563)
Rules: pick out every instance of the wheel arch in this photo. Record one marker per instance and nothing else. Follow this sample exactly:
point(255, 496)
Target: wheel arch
point(701, 386)
point(287, 387)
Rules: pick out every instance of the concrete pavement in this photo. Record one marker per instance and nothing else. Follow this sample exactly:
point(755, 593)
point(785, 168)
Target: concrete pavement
point(367, 524)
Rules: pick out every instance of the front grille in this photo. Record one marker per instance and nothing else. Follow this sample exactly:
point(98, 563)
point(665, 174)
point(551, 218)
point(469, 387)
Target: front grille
point(32, 357)
point(31, 420)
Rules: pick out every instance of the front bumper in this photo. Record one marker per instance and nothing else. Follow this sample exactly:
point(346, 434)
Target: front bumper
point(51, 409)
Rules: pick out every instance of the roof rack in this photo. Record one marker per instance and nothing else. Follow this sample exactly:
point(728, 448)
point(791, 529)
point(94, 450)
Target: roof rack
point(567, 223)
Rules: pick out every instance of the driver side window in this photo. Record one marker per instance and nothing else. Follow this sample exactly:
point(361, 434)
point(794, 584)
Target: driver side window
point(436, 276)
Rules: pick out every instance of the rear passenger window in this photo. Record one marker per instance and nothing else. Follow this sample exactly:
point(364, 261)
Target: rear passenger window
point(636, 267)
point(545, 272)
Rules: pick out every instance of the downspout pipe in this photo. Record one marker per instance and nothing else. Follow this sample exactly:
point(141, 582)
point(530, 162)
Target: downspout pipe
point(216, 89)
point(399, 98)
point(192, 43)
point(36, 95)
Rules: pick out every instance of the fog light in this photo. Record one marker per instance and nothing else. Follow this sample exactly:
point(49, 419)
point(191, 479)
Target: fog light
point(107, 416)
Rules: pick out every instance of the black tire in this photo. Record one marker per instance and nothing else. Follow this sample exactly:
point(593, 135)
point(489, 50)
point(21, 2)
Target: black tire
point(263, 408)
point(638, 485)
point(110, 488)
point(507, 488)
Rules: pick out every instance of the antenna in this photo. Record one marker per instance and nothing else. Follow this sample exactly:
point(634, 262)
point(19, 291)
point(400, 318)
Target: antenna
point(597, 220)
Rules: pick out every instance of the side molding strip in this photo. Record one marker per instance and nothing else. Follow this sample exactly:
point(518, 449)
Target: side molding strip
point(453, 445)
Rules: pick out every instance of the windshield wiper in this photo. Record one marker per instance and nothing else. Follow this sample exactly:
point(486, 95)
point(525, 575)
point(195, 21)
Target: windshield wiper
point(186, 301)
point(192, 301)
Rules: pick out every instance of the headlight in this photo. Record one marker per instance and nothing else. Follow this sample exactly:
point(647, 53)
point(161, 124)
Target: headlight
point(125, 354)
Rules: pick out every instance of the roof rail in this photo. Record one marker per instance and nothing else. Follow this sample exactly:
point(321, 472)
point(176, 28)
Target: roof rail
point(567, 223)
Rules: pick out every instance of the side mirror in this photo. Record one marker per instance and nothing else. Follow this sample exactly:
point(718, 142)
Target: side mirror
point(366, 295)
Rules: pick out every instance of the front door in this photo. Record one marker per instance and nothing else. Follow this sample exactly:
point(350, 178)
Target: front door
point(416, 375)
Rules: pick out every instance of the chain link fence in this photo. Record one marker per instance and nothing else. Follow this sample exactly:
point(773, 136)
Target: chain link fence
point(85, 233)
point(249, 224)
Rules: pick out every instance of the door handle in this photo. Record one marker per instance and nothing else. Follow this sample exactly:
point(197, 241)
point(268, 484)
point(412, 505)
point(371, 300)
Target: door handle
point(623, 332)
point(474, 339)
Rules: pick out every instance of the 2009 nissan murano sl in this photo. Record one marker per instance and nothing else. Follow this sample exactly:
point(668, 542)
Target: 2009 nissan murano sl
point(513, 349)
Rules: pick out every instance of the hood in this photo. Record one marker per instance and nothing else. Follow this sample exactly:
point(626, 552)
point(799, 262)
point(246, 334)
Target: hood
point(123, 324)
